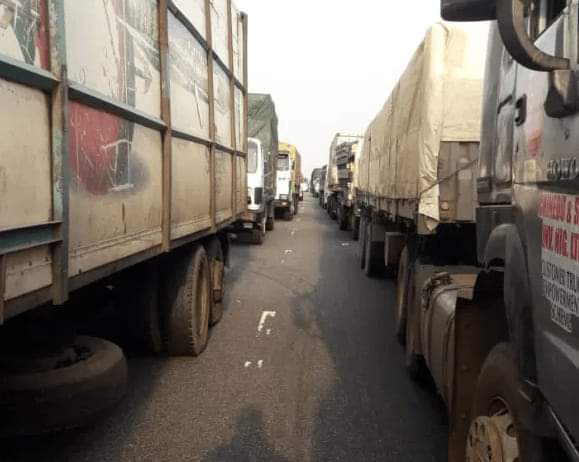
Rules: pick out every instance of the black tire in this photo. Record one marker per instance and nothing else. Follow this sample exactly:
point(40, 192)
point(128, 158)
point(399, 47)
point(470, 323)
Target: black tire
point(343, 218)
point(270, 224)
point(355, 227)
point(415, 363)
point(369, 264)
point(296, 207)
point(400, 308)
point(257, 236)
point(63, 398)
point(217, 265)
point(288, 214)
point(187, 296)
point(141, 316)
point(499, 384)
point(362, 243)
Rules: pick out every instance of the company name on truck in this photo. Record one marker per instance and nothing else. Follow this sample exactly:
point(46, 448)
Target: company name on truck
point(559, 256)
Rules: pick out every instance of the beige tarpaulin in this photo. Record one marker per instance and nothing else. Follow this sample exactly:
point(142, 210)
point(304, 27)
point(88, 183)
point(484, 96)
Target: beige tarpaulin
point(438, 98)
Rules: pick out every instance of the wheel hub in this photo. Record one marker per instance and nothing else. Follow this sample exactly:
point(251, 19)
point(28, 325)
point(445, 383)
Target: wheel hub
point(492, 439)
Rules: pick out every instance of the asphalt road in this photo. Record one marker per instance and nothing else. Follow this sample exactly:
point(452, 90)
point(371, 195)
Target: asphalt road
point(303, 367)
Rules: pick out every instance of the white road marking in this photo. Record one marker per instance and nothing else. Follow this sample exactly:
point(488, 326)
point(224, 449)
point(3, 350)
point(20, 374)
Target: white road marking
point(264, 316)
point(288, 252)
point(345, 244)
point(268, 331)
point(247, 364)
point(260, 363)
point(293, 232)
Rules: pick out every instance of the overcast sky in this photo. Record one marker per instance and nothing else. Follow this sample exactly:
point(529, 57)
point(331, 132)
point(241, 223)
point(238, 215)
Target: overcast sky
point(330, 64)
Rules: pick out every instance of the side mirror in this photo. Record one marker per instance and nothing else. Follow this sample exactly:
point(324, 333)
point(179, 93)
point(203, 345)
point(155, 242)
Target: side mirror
point(467, 10)
point(512, 26)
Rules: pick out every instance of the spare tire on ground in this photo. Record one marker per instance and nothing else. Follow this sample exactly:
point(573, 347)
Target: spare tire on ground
point(62, 392)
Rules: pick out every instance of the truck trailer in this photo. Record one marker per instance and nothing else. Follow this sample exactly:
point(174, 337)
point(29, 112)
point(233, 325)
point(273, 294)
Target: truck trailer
point(288, 182)
point(416, 190)
point(123, 137)
point(261, 166)
point(339, 191)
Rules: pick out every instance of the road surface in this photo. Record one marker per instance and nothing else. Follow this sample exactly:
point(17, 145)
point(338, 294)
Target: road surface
point(303, 367)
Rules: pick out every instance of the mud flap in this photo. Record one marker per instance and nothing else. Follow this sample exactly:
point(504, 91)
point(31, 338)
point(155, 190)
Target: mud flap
point(478, 327)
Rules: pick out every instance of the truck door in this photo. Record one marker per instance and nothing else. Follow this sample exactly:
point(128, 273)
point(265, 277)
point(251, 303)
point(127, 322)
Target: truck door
point(546, 195)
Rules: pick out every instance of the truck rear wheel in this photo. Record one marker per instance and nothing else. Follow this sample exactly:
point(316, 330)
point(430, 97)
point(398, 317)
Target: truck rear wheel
point(495, 430)
point(401, 297)
point(355, 227)
point(217, 265)
point(371, 266)
point(188, 299)
point(56, 391)
point(362, 242)
point(140, 310)
point(288, 214)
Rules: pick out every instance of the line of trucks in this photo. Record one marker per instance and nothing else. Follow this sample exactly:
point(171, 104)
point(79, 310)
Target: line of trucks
point(465, 190)
point(127, 160)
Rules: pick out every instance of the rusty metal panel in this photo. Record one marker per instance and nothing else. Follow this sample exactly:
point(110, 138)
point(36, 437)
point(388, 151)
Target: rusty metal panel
point(25, 159)
point(189, 81)
point(223, 186)
point(220, 29)
point(191, 211)
point(222, 93)
point(28, 271)
point(240, 117)
point(194, 11)
point(116, 191)
point(113, 48)
point(238, 52)
point(456, 170)
point(241, 185)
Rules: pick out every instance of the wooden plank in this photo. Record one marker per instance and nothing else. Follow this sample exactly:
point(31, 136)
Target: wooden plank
point(166, 117)
point(211, 95)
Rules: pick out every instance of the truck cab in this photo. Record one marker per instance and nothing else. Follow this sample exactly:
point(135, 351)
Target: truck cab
point(528, 212)
point(288, 179)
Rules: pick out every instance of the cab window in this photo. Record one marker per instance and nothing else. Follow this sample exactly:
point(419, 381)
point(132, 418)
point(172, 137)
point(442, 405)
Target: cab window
point(283, 162)
point(542, 13)
point(252, 157)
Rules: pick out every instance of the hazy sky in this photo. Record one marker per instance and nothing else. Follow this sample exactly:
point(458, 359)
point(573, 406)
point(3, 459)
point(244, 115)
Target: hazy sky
point(330, 64)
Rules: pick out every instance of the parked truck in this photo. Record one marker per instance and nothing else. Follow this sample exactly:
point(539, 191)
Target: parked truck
point(314, 186)
point(416, 191)
point(515, 335)
point(261, 166)
point(123, 140)
point(339, 190)
point(288, 180)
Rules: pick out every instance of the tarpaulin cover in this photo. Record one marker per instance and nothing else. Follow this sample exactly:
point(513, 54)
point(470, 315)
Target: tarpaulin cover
point(437, 99)
point(262, 123)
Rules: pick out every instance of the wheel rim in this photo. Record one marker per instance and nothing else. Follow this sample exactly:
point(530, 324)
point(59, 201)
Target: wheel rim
point(494, 438)
point(203, 302)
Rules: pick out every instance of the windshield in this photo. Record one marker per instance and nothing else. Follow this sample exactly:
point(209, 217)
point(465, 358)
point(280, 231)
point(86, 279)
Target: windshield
point(283, 162)
point(252, 157)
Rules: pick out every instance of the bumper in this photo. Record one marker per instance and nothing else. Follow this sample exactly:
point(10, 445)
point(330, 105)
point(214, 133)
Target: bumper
point(282, 204)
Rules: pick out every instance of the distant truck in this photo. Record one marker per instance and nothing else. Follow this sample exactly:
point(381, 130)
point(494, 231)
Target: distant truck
point(314, 186)
point(123, 163)
point(416, 190)
point(339, 190)
point(288, 180)
point(261, 166)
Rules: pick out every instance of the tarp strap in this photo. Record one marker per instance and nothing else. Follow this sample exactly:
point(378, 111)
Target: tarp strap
point(448, 177)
